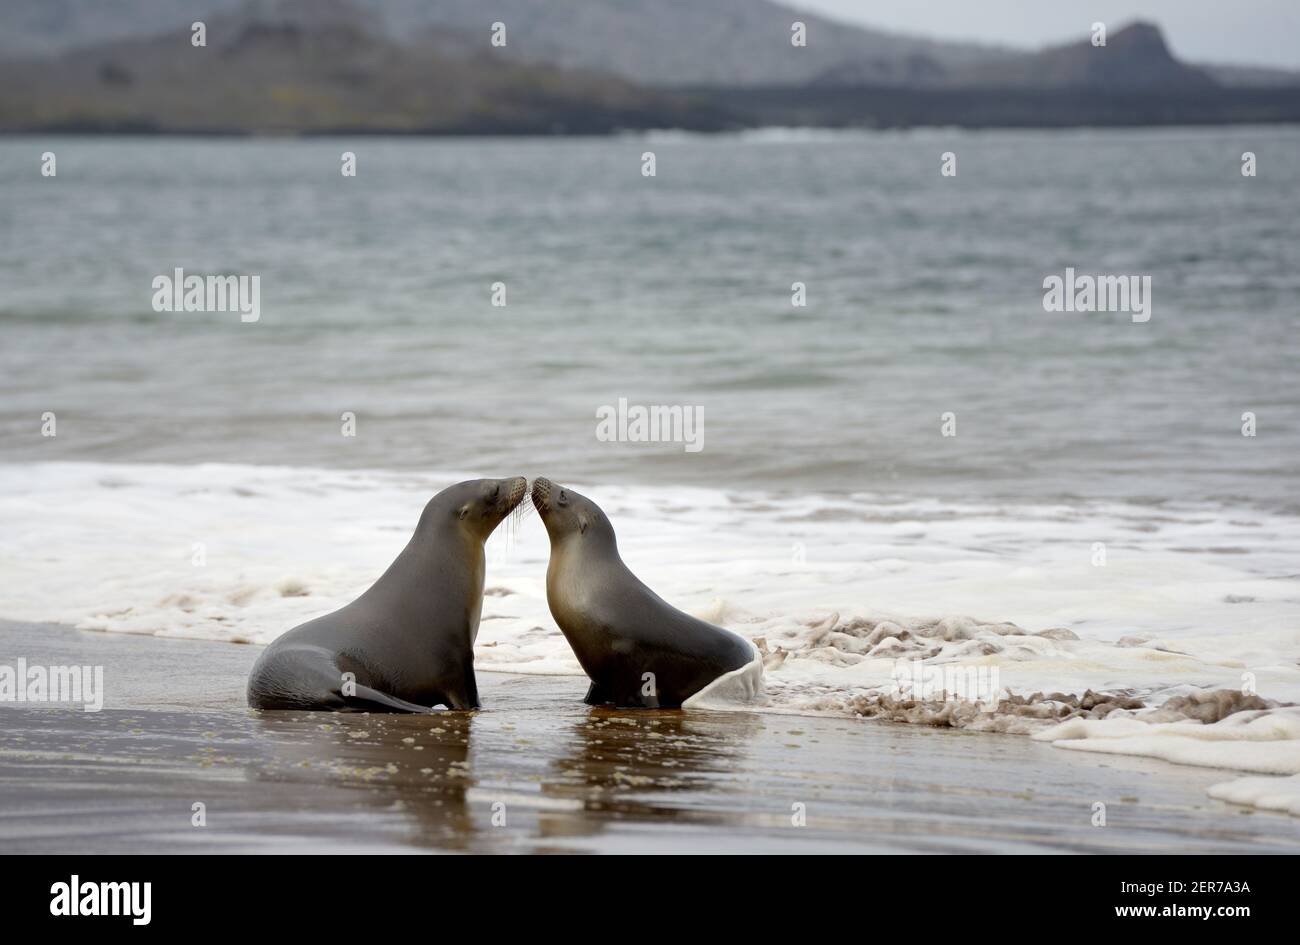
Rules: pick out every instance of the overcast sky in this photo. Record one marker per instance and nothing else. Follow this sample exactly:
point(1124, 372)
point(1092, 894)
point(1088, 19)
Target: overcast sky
point(1238, 32)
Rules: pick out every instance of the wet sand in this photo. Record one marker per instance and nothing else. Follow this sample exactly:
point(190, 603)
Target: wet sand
point(537, 771)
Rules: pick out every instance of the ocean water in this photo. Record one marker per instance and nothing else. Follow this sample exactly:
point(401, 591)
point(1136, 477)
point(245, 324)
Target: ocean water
point(924, 297)
point(824, 499)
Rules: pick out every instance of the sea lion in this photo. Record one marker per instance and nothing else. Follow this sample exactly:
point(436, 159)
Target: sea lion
point(407, 644)
point(638, 650)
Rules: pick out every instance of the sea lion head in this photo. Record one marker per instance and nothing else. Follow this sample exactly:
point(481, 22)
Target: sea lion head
point(478, 505)
point(566, 514)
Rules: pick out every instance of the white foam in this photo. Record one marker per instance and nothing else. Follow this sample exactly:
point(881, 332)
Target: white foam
point(1279, 794)
point(1264, 741)
point(836, 588)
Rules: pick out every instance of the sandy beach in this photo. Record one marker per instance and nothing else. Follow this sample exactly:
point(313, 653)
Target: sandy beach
point(538, 771)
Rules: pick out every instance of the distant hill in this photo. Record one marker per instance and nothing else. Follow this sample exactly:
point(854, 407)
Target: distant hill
point(1133, 80)
point(1135, 57)
point(691, 42)
point(427, 67)
point(652, 42)
point(320, 73)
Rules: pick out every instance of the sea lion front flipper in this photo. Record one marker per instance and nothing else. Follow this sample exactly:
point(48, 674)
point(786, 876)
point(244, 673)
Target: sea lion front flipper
point(597, 695)
point(367, 699)
point(463, 694)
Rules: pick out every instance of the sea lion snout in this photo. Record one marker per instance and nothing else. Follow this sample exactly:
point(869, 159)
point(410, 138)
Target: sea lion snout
point(549, 497)
point(542, 494)
point(479, 504)
point(551, 502)
point(514, 492)
point(567, 514)
point(501, 498)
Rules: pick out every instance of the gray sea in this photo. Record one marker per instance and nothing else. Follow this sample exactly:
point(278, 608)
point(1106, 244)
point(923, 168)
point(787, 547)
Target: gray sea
point(924, 297)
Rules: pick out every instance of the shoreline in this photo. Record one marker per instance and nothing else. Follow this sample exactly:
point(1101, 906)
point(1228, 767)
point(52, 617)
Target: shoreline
point(563, 776)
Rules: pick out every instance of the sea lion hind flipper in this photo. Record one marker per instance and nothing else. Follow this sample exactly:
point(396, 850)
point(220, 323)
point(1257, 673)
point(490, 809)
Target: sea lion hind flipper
point(368, 700)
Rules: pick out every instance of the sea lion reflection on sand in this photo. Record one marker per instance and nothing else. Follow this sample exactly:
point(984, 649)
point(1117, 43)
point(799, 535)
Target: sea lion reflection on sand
point(407, 644)
point(638, 650)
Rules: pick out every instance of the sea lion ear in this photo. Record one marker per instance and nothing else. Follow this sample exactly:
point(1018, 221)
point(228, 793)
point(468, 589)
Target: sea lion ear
point(464, 510)
point(582, 524)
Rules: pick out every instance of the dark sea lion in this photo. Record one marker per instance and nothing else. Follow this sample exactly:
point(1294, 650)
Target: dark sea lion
point(407, 644)
point(639, 651)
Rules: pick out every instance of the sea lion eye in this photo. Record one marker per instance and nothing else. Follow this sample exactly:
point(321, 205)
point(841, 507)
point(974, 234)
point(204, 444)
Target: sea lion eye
point(496, 490)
